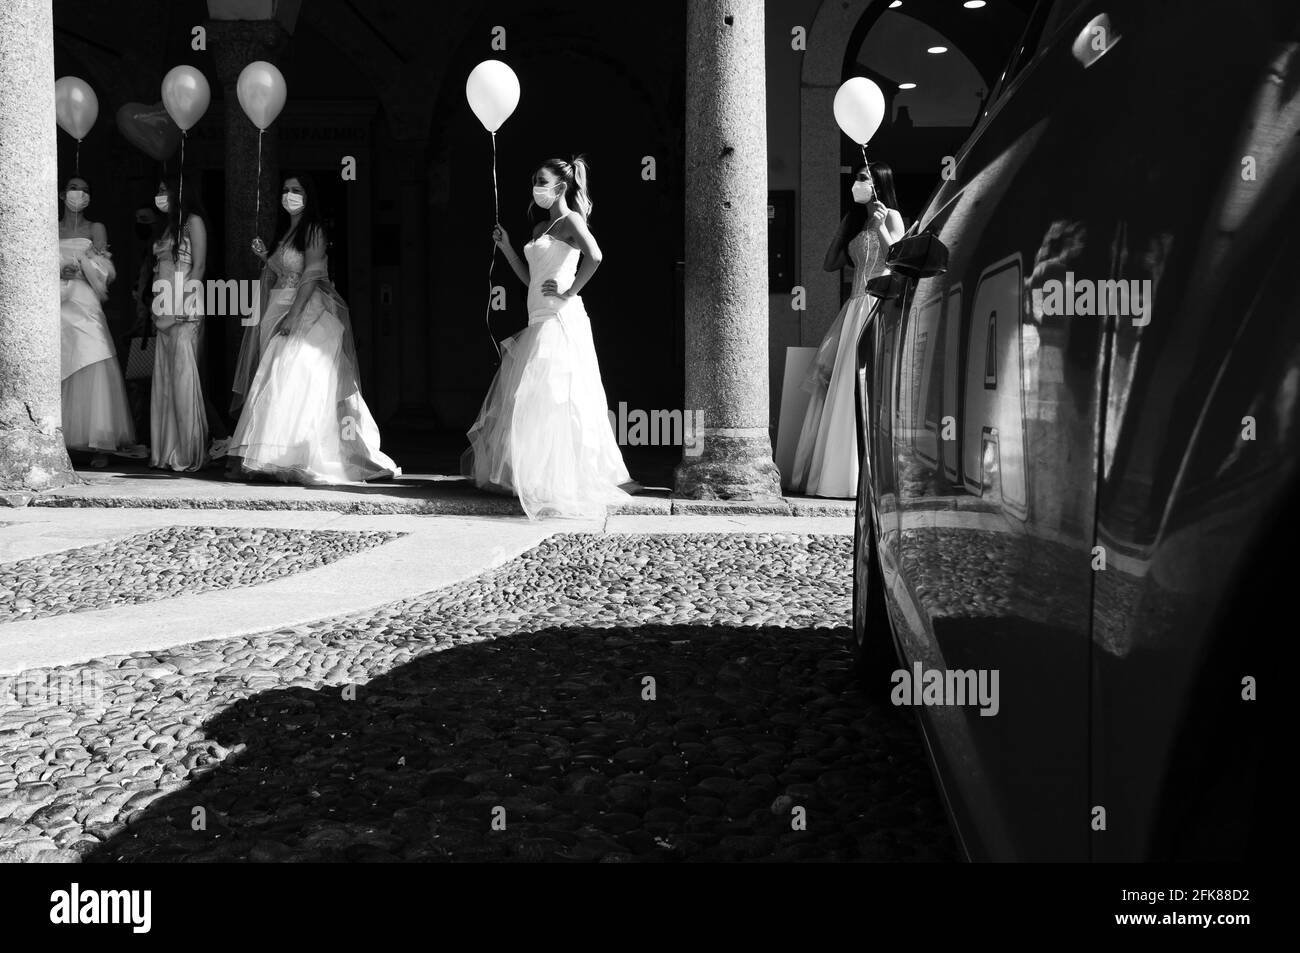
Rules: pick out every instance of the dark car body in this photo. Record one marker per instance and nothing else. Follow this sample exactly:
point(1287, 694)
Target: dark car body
point(1092, 505)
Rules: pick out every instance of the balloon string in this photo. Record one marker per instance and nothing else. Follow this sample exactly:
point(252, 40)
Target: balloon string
point(180, 184)
point(870, 175)
point(496, 214)
point(496, 201)
point(78, 160)
point(257, 214)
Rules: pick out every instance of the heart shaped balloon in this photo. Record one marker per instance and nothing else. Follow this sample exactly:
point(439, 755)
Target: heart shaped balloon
point(149, 129)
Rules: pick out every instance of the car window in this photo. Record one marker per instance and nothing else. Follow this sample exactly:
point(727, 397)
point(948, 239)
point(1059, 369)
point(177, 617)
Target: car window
point(1045, 19)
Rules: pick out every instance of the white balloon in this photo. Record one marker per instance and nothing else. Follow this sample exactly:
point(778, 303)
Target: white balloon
point(859, 109)
point(493, 93)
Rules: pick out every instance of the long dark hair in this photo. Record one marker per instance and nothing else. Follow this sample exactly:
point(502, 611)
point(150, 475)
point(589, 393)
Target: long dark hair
point(63, 190)
point(574, 174)
point(311, 222)
point(883, 178)
point(178, 213)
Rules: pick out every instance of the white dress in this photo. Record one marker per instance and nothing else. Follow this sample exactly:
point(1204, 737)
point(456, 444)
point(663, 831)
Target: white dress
point(303, 418)
point(826, 458)
point(178, 422)
point(96, 414)
point(543, 432)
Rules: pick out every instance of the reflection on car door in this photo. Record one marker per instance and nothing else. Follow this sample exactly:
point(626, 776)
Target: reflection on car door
point(994, 438)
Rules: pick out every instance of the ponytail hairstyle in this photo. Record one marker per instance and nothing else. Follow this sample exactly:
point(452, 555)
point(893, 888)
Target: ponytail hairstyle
point(573, 173)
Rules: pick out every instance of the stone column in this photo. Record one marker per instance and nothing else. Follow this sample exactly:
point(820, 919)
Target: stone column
point(726, 258)
point(32, 455)
point(234, 44)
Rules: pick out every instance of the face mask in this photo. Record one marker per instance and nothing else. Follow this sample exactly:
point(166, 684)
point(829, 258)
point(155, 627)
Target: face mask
point(76, 200)
point(543, 196)
point(292, 202)
point(161, 202)
point(862, 192)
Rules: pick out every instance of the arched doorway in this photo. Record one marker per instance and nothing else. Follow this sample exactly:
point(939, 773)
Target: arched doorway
point(621, 108)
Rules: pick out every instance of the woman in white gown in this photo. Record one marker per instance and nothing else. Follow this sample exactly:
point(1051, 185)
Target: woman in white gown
point(297, 389)
point(543, 432)
point(96, 414)
point(826, 458)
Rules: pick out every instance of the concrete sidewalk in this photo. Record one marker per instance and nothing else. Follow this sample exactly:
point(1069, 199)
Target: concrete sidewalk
point(436, 552)
point(135, 486)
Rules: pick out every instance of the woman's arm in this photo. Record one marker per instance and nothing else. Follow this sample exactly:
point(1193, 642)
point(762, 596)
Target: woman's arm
point(517, 265)
point(836, 257)
point(198, 247)
point(891, 229)
point(314, 255)
point(97, 264)
point(577, 233)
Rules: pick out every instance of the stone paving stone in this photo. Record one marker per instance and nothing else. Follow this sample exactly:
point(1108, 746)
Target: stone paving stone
point(177, 560)
point(522, 695)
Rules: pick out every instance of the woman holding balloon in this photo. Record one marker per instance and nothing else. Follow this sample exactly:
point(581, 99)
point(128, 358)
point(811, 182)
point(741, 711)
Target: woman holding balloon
point(96, 414)
point(826, 458)
point(543, 431)
point(303, 419)
point(178, 423)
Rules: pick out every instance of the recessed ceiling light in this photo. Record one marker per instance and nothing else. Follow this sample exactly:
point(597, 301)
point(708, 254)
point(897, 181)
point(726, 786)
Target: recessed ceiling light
point(937, 49)
point(974, 4)
point(896, 4)
point(907, 85)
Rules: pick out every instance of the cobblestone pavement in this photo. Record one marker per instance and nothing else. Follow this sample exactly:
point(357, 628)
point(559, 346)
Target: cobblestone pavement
point(659, 698)
point(177, 560)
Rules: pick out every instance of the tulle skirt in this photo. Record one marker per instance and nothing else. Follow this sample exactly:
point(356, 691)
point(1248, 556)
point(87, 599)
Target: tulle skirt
point(96, 414)
point(293, 425)
point(826, 458)
point(178, 423)
point(543, 432)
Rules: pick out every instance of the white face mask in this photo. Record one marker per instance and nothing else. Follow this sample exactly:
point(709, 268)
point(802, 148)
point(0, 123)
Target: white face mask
point(292, 202)
point(863, 192)
point(76, 200)
point(161, 202)
point(544, 196)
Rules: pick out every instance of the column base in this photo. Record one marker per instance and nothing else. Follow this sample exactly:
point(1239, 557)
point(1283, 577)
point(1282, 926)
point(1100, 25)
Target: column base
point(735, 464)
point(31, 460)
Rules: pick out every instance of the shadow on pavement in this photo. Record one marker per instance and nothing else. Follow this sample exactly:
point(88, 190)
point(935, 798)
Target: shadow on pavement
point(559, 733)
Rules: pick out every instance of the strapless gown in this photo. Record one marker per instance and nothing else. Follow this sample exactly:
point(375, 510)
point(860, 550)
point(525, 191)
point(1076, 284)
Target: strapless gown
point(303, 418)
point(96, 414)
point(826, 458)
point(543, 432)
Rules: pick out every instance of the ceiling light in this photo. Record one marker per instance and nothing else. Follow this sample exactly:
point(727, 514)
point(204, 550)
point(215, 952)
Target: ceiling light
point(907, 85)
point(896, 4)
point(974, 4)
point(937, 49)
